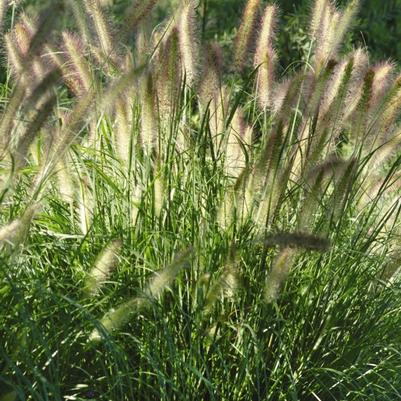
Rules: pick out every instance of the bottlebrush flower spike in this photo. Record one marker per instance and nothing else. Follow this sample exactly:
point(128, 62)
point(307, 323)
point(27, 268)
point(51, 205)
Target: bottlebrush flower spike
point(265, 57)
point(239, 137)
point(137, 13)
point(318, 15)
point(386, 118)
point(280, 94)
point(3, 9)
point(24, 31)
point(18, 42)
point(212, 95)
point(102, 28)
point(359, 69)
point(14, 55)
point(360, 116)
point(163, 278)
point(333, 87)
point(326, 51)
point(149, 120)
point(210, 86)
point(79, 68)
point(189, 42)
point(66, 182)
point(323, 36)
point(15, 232)
point(26, 45)
point(279, 273)
point(226, 286)
point(105, 263)
point(384, 74)
point(344, 23)
point(80, 18)
point(32, 130)
point(168, 71)
point(328, 28)
point(114, 319)
point(246, 34)
point(123, 128)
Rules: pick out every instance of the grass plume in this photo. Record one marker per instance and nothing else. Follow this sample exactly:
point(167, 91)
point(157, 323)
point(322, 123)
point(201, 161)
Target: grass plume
point(105, 263)
point(246, 33)
point(265, 57)
point(117, 318)
point(189, 41)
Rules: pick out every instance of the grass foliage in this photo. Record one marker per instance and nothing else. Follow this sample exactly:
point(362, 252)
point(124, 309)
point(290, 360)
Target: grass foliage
point(181, 222)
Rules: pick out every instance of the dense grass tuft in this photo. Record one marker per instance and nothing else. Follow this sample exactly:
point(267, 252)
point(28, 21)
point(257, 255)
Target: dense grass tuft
point(177, 225)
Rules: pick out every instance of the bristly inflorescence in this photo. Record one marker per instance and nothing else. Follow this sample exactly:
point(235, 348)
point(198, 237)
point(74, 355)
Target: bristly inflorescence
point(265, 57)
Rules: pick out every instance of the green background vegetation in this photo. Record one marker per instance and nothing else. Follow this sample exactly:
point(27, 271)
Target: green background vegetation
point(378, 24)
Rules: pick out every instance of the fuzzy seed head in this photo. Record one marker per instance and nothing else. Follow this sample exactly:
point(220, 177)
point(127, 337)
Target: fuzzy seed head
point(265, 58)
point(246, 33)
point(226, 286)
point(15, 232)
point(13, 53)
point(149, 121)
point(163, 278)
point(158, 195)
point(280, 93)
point(105, 263)
point(101, 25)
point(210, 87)
point(116, 318)
point(74, 50)
point(323, 37)
point(136, 201)
point(123, 128)
point(383, 77)
point(318, 15)
point(343, 24)
point(238, 137)
point(298, 240)
point(278, 274)
point(24, 31)
point(360, 67)
point(138, 12)
point(3, 9)
point(168, 71)
point(333, 87)
point(189, 42)
point(266, 36)
point(66, 182)
point(80, 18)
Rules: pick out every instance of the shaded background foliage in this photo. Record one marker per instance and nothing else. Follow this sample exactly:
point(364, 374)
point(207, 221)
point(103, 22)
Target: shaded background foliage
point(377, 26)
